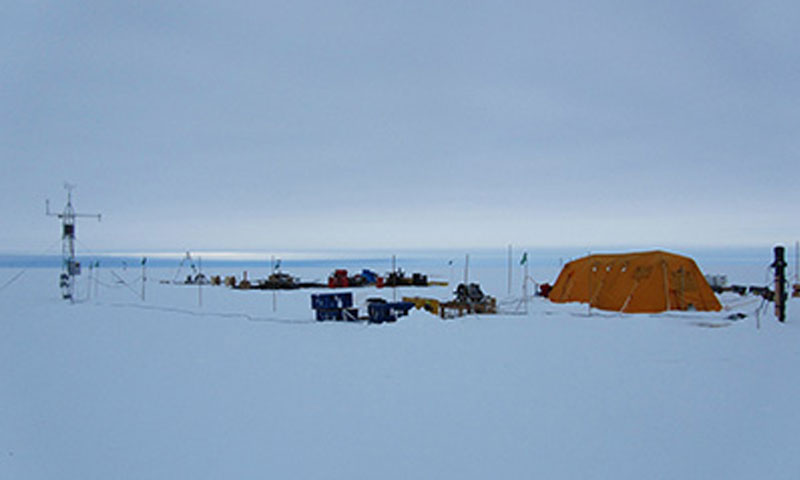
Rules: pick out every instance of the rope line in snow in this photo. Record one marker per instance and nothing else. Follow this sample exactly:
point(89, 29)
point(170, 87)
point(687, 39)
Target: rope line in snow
point(13, 279)
point(24, 270)
point(248, 317)
point(124, 283)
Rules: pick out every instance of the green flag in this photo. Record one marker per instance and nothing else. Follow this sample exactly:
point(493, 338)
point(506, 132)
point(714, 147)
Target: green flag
point(524, 259)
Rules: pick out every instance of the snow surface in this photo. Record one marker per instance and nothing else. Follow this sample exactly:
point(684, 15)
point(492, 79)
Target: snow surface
point(114, 387)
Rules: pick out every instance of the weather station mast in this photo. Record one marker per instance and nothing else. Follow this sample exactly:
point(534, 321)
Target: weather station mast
point(69, 265)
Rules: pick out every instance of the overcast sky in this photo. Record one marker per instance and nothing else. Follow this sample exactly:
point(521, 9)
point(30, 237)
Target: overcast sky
point(357, 124)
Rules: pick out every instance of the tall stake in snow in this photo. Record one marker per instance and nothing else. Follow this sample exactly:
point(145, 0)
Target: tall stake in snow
point(394, 276)
point(526, 287)
point(70, 266)
point(97, 280)
point(796, 262)
point(524, 262)
point(466, 269)
point(89, 290)
point(274, 291)
point(509, 270)
point(144, 275)
point(779, 265)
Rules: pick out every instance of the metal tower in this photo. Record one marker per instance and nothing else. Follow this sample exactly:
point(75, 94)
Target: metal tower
point(69, 265)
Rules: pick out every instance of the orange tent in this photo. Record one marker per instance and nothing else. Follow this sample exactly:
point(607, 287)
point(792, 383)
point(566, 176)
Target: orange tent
point(644, 282)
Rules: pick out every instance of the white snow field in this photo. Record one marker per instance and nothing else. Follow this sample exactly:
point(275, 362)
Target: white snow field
point(117, 388)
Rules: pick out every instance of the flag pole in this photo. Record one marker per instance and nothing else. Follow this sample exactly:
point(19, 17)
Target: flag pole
point(144, 275)
point(524, 263)
point(466, 270)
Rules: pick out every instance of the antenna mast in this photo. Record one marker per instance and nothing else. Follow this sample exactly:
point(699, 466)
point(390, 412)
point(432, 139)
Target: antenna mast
point(69, 265)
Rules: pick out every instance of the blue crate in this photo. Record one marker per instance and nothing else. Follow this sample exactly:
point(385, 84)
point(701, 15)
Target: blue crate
point(338, 314)
point(387, 312)
point(331, 301)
